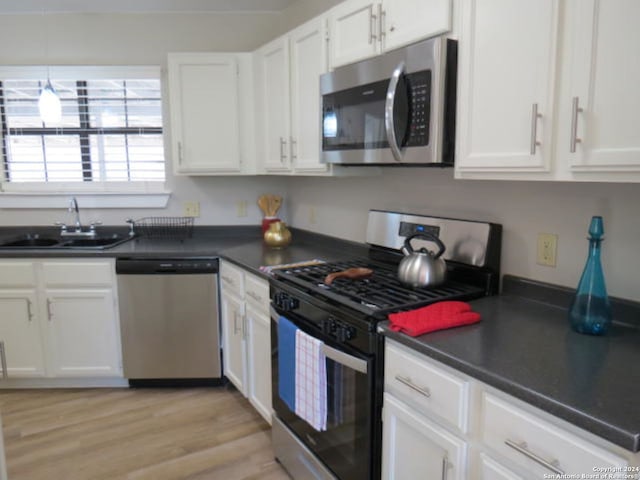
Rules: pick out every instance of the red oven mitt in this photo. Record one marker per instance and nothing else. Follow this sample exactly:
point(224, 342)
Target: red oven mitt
point(437, 316)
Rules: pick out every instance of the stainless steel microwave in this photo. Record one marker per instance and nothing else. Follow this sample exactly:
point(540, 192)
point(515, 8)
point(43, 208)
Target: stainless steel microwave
point(394, 109)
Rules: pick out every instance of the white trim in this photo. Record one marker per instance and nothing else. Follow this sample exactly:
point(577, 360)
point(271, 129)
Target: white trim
point(79, 72)
point(85, 200)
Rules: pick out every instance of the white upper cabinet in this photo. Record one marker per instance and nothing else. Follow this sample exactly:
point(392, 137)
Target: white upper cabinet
point(308, 45)
point(203, 93)
point(353, 31)
point(360, 29)
point(273, 64)
point(598, 129)
point(288, 73)
point(505, 84)
point(522, 118)
point(405, 21)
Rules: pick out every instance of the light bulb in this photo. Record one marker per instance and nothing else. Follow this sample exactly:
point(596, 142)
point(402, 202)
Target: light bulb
point(49, 105)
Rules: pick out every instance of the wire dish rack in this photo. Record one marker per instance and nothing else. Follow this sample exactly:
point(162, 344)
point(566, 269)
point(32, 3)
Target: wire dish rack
point(165, 227)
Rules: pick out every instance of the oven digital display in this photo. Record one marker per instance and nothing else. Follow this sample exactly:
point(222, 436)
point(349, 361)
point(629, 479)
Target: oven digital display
point(407, 229)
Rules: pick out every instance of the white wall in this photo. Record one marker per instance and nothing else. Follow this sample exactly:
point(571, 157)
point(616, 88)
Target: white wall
point(523, 208)
point(143, 39)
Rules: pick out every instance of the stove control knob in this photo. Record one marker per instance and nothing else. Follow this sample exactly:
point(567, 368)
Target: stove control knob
point(285, 302)
point(345, 333)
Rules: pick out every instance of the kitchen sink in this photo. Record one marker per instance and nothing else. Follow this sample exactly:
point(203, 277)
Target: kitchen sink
point(98, 242)
point(31, 242)
point(35, 241)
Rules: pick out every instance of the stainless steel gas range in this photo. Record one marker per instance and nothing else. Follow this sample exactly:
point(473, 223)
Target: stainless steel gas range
point(343, 317)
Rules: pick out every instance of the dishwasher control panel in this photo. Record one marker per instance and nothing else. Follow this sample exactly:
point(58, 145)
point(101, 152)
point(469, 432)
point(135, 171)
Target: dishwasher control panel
point(136, 266)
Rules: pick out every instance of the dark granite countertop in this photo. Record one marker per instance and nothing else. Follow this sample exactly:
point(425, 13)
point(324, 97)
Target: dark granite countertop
point(525, 348)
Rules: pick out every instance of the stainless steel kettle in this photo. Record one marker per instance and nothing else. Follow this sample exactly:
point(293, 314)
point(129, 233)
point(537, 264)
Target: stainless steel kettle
point(422, 268)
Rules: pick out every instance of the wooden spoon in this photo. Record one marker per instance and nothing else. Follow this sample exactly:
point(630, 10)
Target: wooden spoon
point(263, 204)
point(277, 202)
point(350, 273)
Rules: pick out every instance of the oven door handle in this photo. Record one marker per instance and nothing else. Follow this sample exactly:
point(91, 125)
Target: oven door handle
point(337, 356)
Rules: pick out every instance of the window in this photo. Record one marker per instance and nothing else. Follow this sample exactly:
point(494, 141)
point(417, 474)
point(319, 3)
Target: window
point(111, 129)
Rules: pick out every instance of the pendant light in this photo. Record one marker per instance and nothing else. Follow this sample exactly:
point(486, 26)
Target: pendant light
point(49, 102)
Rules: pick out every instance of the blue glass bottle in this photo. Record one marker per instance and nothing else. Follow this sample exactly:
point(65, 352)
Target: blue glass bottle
point(590, 311)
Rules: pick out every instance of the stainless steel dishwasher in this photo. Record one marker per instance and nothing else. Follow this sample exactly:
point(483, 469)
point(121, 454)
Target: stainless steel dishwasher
point(169, 321)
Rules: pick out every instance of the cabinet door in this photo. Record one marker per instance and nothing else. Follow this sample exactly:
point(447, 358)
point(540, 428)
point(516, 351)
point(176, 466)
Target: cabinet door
point(20, 333)
point(414, 447)
point(354, 28)
point(83, 333)
point(204, 113)
point(258, 326)
point(506, 78)
point(274, 66)
point(602, 102)
point(492, 470)
point(233, 343)
point(308, 62)
point(407, 21)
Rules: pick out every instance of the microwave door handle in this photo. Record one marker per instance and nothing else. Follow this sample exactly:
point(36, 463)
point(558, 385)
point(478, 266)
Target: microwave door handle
point(389, 120)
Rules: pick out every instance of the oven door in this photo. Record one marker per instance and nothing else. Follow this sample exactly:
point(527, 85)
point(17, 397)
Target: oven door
point(346, 446)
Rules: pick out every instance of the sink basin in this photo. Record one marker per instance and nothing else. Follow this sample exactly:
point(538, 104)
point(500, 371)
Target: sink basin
point(32, 242)
point(35, 241)
point(99, 242)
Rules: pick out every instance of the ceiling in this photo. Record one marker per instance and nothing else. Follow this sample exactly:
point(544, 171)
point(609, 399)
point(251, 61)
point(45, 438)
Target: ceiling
point(106, 6)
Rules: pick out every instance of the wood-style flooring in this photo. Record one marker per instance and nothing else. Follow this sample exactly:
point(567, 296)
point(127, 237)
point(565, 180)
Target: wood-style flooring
point(135, 434)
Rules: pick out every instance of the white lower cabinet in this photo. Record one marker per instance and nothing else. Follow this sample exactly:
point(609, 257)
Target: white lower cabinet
point(415, 447)
point(59, 319)
point(83, 339)
point(20, 334)
point(258, 326)
point(233, 349)
point(246, 335)
point(506, 439)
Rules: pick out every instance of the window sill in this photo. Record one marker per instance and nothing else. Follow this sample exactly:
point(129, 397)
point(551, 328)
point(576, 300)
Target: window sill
point(31, 200)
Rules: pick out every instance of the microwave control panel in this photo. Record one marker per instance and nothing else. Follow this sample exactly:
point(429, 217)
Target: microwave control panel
point(419, 90)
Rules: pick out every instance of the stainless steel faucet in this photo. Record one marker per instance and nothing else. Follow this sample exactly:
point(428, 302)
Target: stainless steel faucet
point(73, 207)
point(64, 231)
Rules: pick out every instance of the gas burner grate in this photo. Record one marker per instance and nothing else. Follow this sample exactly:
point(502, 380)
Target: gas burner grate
point(380, 293)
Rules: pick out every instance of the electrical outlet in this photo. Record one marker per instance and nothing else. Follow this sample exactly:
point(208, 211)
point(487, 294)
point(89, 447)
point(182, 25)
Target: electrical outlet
point(191, 209)
point(547, 249)
point(241, 208)
point(312, 215)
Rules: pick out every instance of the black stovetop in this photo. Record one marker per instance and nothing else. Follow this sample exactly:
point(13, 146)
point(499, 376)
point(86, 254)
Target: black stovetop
point(377, 295)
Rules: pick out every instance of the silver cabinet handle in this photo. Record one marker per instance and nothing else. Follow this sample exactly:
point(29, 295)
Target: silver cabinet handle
point(49, 314)
point(372, 26)
point(229, 280)
point(389, 120)
point(294, 145)
point(29, 312)
point(445, 467)
point(235, 323)
point(575, 109)
point(383, 21)
point(3, 359)
point(283, 148)
point(180, 153)
point(534, 128)
point(523, 448)
point(244, 327)
point(257, 298)
point(413, 386)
